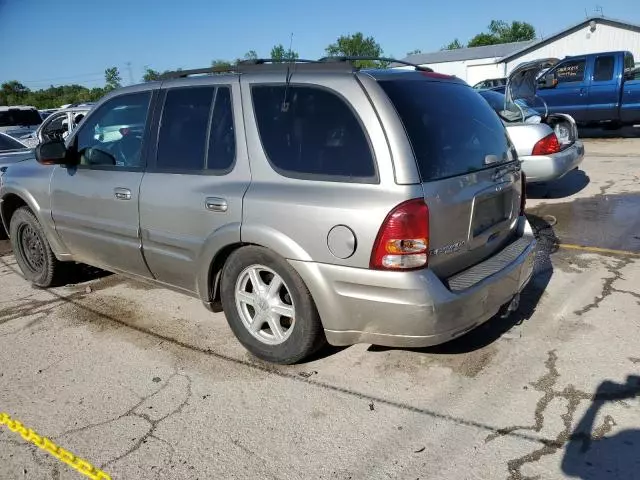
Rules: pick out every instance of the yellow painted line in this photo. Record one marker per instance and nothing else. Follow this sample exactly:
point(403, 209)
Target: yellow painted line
point(81, 465)
point(610, 251)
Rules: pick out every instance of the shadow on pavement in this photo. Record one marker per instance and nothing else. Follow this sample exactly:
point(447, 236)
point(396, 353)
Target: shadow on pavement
point(590, 454)
point(493, 329)
point(624, 132)
point(572, 183)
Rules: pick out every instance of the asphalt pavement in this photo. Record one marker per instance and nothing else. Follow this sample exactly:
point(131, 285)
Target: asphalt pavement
point(145, 383)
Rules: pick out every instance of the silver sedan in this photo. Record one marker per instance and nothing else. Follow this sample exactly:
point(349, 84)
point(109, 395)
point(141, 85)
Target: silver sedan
point(548, 147)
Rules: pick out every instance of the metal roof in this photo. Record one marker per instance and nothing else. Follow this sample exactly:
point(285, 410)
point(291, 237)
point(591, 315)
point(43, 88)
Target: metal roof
point(472, 53)
point(506, 51)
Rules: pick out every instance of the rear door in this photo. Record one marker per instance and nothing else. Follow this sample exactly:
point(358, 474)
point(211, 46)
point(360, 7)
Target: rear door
point(604, 91)
point(470, 176)
point(571, 94)
point(191, 195)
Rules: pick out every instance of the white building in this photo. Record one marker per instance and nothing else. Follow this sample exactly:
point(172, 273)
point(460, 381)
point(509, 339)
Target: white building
point(596, 34)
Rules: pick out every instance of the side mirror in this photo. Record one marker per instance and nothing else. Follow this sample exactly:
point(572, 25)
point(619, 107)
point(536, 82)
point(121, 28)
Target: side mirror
point(52, 152)
point(548, 81)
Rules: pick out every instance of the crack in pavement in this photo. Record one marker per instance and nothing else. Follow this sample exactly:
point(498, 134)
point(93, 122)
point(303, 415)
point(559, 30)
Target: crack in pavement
point(546, 385)
point(607, 286)
point(131, 412)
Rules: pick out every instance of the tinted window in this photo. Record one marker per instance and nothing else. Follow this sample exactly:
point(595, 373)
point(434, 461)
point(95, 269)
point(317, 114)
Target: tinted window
point(183, 128)
point(451, 128)
point(311, 131)
point(604, 69)
point(8, 143)
point(571, 71)
point(105, 140)
point(222, 140)
point(20, 117)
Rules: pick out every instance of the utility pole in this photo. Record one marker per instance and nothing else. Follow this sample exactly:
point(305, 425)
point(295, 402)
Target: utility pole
point(130, 73)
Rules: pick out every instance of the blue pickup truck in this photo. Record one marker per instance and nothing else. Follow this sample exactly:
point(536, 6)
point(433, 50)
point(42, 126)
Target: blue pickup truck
point(599, 88)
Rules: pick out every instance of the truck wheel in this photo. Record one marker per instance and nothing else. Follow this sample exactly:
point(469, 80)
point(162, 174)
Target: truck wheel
point(32, 251)
point(268, 306)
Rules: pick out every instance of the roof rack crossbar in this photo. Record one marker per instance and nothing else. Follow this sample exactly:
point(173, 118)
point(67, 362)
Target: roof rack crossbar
point(375, 59)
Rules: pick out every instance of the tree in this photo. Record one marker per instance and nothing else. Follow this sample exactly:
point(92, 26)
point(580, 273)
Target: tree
point(417, 51)
point(278, 52)
point(150, 75)
point(251, 55)
point(356, 45)
point(453, 45)
point(503, 32)
point(112, 79)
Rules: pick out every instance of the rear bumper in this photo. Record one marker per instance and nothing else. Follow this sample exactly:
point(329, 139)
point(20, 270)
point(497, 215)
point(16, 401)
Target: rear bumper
point(544, 168)
point(415, 309)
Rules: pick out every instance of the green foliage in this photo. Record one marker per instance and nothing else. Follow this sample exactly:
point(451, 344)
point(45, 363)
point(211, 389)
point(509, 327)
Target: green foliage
point(112, 79)
point(251, 55)
point(278, 52)
point(150, 75)
point(357, 45)
point(453, 45)
point(414, 52)
point(503, 32)
point(52, 97)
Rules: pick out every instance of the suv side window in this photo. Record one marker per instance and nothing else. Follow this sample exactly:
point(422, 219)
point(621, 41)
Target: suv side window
point(311, 132)
point(112, 136)
point(604, 68)
point(222, 137)
point(182, 138)
point(571, 71)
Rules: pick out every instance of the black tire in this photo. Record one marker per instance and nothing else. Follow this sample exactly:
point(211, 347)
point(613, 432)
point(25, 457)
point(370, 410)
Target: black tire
point(32, 250)
point(306, 336)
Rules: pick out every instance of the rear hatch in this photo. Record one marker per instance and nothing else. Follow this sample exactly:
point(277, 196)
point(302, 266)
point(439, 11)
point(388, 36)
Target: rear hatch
point(469, 169)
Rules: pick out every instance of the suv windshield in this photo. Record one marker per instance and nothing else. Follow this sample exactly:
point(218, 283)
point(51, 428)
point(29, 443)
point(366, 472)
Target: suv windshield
point(509, 112)
point(20, 117)
point(451, 128)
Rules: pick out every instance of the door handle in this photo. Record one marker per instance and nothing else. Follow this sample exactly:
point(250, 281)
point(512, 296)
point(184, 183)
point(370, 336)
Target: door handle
point(216, 204)
point(122, 193)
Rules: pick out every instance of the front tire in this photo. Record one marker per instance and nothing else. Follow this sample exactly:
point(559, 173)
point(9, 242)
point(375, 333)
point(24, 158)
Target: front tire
point(268, 306)
point(32, 250)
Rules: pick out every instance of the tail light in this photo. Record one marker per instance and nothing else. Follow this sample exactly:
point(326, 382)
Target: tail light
point(403, 239)
point(523, 194)
point(547, 145)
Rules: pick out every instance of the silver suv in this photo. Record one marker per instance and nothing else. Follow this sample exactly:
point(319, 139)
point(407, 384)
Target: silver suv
point(309, 201)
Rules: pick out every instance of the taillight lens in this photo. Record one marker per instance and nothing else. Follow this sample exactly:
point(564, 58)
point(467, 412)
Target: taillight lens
point(403, 240)
point(547, 145)
point(523, 194)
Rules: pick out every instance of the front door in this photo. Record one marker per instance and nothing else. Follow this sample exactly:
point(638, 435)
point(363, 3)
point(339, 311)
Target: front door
point(191, 196)
point(571, 94)
point(95, 204)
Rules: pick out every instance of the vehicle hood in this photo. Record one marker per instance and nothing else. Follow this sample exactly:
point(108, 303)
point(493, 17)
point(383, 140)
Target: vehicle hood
point(19, 132)
point(522, 82)
point(16, 156)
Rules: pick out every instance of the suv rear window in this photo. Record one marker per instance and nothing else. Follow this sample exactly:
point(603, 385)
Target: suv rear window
point(311, 132)
point(451, 128)
point(20, 117)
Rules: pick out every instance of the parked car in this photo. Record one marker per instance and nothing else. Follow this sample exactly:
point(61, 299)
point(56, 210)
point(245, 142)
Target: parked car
point(595, 89)
point(19, 121)
point(548, 147)
point(57, 125)
point(11, 151)
point(491, 83)
point(46, 112)
point(309, 203)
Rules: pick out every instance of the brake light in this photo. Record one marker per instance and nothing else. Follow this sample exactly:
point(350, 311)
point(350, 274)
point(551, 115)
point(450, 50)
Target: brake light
point(438, 75)
point(403, 239)
point(523, 193)
point(547, 145)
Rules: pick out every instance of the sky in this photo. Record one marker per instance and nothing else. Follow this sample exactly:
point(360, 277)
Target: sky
point(43, 42)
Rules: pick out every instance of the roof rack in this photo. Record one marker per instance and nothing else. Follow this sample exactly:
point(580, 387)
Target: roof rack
point(331, 63)
point(375, 59)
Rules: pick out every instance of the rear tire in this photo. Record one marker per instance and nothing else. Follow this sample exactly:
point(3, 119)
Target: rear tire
point(268, 306)
point(32, 250)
